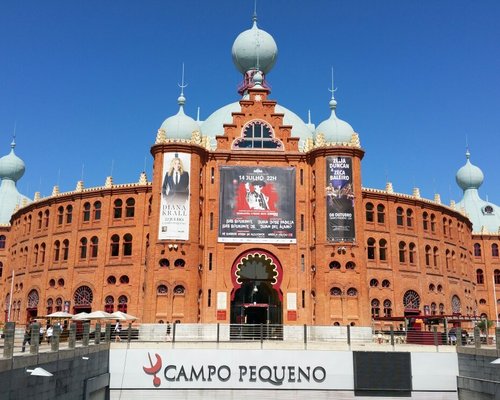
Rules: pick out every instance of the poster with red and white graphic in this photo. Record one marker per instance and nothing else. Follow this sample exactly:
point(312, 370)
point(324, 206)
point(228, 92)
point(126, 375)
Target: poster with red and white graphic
point(257, 205)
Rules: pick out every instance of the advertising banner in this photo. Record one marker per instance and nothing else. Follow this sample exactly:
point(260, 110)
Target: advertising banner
point(339, 200)
point(257, 205)
point(230, 369)
point(174, 211)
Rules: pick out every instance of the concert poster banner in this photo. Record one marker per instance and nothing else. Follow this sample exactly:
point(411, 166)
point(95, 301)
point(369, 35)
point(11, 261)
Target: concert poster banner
point(257, 204)
point(174, 204)
point(339, 200)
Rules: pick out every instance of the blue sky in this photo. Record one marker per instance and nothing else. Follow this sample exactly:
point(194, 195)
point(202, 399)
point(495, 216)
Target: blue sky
point(89, 83)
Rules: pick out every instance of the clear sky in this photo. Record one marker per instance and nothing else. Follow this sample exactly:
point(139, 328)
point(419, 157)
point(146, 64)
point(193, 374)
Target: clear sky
point(89, 83)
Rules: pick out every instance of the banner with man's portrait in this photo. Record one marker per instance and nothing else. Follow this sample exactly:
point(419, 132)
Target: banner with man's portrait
point(174, 206)
point(339, 200)
point(257, 204)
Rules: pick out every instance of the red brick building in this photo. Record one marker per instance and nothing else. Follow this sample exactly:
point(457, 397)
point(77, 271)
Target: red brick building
point(252, 216)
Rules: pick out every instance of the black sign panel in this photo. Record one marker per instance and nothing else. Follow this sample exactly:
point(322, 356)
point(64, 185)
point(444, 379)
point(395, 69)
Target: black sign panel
point(257, 205)
point(339, 200)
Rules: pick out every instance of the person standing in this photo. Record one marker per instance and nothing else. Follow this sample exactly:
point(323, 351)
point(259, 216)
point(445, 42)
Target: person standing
point(50, 332)
point(117, 330)
point(176, 181)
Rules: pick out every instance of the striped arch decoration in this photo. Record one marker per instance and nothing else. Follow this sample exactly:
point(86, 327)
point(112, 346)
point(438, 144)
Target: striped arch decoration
point(257, 255)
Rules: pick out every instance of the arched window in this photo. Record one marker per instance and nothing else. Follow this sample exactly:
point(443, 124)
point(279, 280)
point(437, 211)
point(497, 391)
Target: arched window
point(409, 217)
point(375, 308)
point(433, 223)
point(60, 282)
point(369, 212)
point(455, 304)
point(381, 214)
point(382, 250)
point(50, 304)
point(179, 263)
point(371, 248)
point(59, 303)
point(33, 299)
point(94, 246)
point(350, 265)
point(83, 248)
point(161, 289)
point(109, 304)
point(439, 288)
point(412, 254)
point(117, 208)
point(352, 292)
point(425, 221)
point(257, 134)
point(1, 269)
point(399, 216)
point(2, 241)
point(42, 253)
point(335, 291)
point(86, 212)
point(386, 283)
point(164, 263)
point(432, 287)
point(494, 250)
point(39, 220)
point(387, 308)
point(496, 276)
point(115, 246)
point(97, 210)
point(35, 254)
point(127, 244)
point(435, 254)
point(46, 219)
point(445, 227)
point(130, 208)
point(111, 280)
point(428, 255)
point(60, 215)
point(83, 296)
point(373, 282)
point(57, 249)
point(69, 214)
point(402, 252)
point(477, 250)
point(448, 257)
point(433, 309)
point(122, 303)
point(124, 279)
point(334, 265)
point(65, 249)
point(179, 289)
point(411, 300)
point(480, 277)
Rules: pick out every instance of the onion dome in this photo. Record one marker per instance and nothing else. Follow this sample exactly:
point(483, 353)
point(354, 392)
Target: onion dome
point(180, 125)
point(484, 215)
point(469, 176)
point(254, 49)
point(11, 170)
point(11, 166)
point(334, 129)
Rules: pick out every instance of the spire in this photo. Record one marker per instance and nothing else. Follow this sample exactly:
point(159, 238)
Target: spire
point(181, 99)
point(333, 102)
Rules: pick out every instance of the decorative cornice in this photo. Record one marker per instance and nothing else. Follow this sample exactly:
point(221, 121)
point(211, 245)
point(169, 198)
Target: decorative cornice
point(321, 142)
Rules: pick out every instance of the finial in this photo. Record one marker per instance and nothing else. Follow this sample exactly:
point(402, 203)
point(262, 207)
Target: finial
point(13, 144)
point(198, 115)
point(467, 153)
point(181, 100)
point(309, 117)
point(254, 17)
point(333, 102)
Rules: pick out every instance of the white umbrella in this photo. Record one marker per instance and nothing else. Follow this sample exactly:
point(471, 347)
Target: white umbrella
point(99, 315)
point(123, 316)
point(60, 314)
point(82, 316)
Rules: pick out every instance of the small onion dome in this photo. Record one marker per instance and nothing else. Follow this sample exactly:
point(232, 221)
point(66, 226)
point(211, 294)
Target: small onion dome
point(11, 166)
point(469, 176)
point(334, 129)
point(180, 125)
point(254, 49)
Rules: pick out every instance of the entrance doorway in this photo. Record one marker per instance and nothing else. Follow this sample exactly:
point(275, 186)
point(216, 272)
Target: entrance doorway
point(256, 299)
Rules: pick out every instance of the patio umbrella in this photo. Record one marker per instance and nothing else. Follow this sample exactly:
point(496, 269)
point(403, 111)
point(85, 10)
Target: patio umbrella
point(99, 315)
point(82, 316)
point(123, 316)
point(60, 314)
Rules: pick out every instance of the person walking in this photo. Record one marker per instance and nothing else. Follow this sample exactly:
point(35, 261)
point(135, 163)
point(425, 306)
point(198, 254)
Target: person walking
point(27, 336)
point(49, 333)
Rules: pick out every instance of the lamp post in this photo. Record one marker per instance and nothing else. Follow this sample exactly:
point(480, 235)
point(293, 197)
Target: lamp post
point(496, 301)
